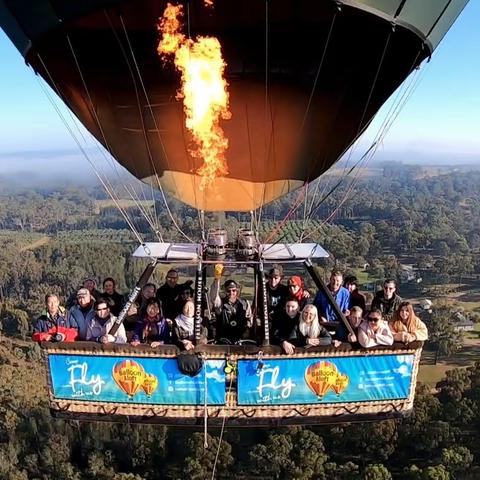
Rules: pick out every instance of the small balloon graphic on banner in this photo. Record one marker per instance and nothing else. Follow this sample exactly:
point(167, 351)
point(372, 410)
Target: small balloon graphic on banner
point(150, 383)
point(129, 376)
point(341, 384)
point(323, 376)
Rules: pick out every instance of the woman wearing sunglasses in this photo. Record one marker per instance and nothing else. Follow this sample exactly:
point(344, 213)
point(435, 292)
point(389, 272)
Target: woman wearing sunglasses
point(374, 331)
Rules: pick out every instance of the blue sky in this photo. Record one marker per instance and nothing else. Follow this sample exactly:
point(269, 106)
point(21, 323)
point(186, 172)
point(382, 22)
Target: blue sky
point(441, 119)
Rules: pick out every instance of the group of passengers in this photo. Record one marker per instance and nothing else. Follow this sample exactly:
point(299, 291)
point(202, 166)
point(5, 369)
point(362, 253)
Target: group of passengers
point(299, 322)
point(166, 315)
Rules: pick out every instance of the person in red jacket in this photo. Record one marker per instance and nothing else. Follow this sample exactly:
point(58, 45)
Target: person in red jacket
point(54, 325)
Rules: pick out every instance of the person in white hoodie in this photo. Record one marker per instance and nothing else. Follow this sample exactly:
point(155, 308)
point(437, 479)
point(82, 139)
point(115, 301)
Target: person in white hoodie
point(374, 331)
point(101, 323)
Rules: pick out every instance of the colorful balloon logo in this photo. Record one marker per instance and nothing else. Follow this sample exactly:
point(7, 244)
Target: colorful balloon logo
point(150, 383)
point(323, 376)
point(130, 377)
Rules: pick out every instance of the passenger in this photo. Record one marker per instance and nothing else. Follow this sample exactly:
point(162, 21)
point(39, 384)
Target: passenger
point(149, 291)
point(115, 300)
point(131, 320)
point(91, 286)
point(357, 299)
point(328, 317)
point(283, 324)
point(183, 332)
point(308, 332)
point(233, 315)
point(186, 294)
point(374, 331)
point(354, 319)
point(153, 328)
point(277, 292)
point(406, 326)
point(101, 324)
point(296, 289)
point(54, 324)
point(169, 294)
point(387, 300)
point(82, 313)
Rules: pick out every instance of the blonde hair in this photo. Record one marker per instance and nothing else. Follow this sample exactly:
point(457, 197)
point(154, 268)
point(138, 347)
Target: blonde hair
point(311, 329)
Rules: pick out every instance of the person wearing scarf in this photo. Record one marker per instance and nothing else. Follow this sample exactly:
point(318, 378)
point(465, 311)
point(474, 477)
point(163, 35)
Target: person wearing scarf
point(183, 332)
point(153, 328)
point(296, 290)
point(406, 326)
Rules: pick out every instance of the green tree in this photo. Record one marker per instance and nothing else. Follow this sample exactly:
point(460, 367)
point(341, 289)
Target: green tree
point(377, 471)
point(438, 472)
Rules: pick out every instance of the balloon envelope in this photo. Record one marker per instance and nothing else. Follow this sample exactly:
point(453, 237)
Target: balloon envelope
point(305, 79)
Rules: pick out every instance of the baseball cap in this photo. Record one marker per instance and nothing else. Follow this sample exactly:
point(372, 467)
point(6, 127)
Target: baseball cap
point(230, 284)
point(83, 292)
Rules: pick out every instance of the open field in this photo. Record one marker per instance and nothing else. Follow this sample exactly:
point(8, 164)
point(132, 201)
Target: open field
point(468, 355)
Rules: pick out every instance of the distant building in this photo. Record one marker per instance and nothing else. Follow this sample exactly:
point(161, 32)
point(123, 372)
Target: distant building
point(461, 323)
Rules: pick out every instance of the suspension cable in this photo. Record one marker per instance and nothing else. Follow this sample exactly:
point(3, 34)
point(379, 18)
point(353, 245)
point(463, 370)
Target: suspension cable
point(104, 184)
point(393, 113)
point(132, 53)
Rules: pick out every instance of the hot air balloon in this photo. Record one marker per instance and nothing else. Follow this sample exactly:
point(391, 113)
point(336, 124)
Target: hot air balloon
point(305, 78)
point(321, 377)
point(129, 376)
point(150, 383)
point(341, 383)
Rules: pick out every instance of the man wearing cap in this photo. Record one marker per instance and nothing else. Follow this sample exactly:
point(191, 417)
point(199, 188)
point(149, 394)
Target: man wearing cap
point(91, 286)
point(82, 313)
point(233, 315)
point(277, 292)
point(169, 294)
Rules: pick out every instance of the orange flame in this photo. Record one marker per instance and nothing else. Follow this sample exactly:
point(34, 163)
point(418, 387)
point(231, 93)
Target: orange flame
point(203, 90)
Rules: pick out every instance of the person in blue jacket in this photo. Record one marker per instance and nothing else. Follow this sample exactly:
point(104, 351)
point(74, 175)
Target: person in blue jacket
point(82, 313)
point(327, 316)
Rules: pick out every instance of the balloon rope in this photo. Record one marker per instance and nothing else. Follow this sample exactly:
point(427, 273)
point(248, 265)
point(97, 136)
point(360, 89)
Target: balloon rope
point(220, 437)
point(401, 100)
point(132, 53)
point(301, 236)
point(319, 69)
point(92, 107)
point(154, 219)
point(108, 189)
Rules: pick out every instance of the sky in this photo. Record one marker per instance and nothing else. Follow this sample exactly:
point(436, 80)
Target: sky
point(440, 123)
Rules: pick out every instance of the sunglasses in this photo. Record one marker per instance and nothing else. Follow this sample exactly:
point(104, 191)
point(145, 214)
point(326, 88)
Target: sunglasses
point(373, 319)
point(229, 290)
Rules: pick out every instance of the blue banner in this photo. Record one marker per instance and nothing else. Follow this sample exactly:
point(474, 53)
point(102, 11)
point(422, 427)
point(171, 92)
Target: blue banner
point(324, 380)
point(142, 380)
